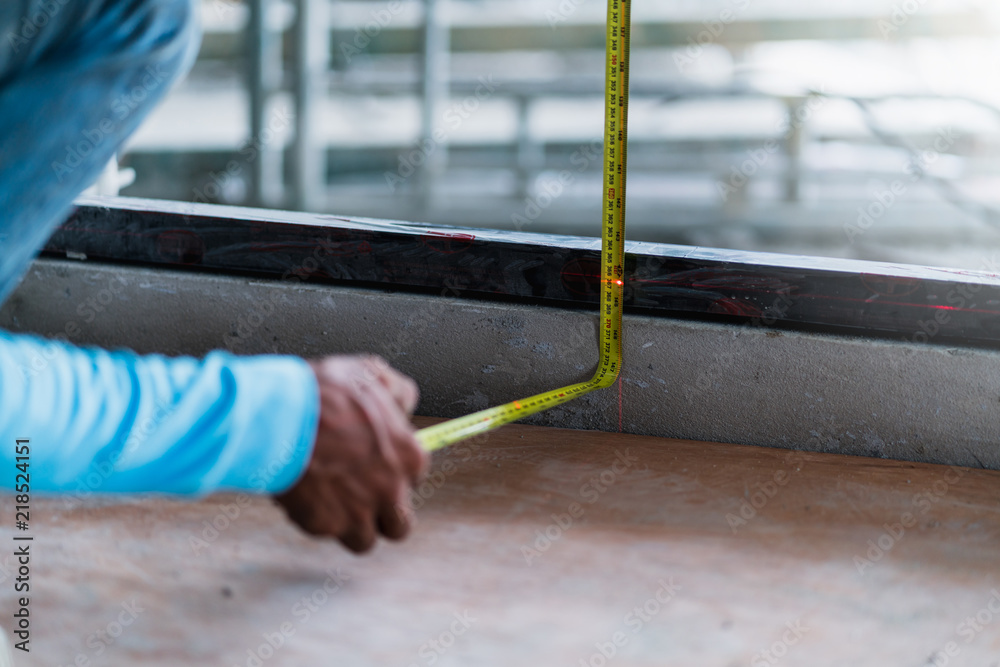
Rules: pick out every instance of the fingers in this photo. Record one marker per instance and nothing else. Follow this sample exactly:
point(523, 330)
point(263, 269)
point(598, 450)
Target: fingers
point(406, 460)
point(395, 435)
point(366, 457)
point(360, 534)
point(364, 524)
point(315, 509)
point(344, 514)
point(403, 389)
point(363, 370)
point(395, 519)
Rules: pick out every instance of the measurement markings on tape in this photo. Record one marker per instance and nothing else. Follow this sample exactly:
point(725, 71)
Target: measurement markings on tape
point(612, 256)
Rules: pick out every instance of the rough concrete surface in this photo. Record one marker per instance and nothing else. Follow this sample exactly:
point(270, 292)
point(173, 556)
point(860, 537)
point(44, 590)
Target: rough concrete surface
point(735, 384)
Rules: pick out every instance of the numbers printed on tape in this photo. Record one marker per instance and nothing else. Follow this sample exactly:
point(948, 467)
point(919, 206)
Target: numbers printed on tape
point(612, 254)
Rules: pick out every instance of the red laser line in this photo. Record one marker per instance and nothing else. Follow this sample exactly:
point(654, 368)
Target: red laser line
point(620, 402)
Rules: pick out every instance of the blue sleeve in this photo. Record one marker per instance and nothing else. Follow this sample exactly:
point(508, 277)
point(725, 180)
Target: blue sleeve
point(102, 421)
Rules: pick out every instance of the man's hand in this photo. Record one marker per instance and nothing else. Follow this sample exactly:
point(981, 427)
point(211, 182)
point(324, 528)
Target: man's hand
point(366, 458)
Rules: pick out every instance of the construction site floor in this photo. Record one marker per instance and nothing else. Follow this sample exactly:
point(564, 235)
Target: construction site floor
point(541, 546)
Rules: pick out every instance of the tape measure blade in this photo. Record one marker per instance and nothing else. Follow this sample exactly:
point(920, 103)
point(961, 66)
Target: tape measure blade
point(612, 255)
point(455, 430)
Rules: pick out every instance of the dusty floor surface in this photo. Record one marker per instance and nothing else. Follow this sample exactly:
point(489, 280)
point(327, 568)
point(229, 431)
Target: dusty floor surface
point(547, 547)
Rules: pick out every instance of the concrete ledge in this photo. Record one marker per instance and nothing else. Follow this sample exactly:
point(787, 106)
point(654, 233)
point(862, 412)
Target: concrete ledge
point(699, 381)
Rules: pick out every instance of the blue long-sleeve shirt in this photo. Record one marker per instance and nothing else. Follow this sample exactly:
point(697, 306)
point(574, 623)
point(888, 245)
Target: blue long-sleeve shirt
point(114, 421)
point(102, 421)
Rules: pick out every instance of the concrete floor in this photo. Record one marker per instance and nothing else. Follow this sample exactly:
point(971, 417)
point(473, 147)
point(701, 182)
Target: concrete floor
point(545, 546)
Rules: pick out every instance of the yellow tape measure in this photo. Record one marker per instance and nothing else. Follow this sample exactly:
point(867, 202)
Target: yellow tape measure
point(612, 256)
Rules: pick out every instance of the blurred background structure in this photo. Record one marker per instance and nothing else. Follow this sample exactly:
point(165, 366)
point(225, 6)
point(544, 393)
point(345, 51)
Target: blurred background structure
point(858, 128)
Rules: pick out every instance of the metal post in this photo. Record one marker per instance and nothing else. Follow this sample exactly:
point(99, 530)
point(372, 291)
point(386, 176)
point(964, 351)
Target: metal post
point(437, 47)
point(310, 61)
point(263, 78)
point(794, 144)
point(530, 153)
point(255, 85)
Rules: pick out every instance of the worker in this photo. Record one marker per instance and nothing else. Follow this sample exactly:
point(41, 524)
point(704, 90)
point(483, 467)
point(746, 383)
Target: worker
point(331, 439)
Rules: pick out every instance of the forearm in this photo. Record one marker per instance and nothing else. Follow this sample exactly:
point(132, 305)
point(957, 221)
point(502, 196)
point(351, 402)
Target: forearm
point(149, 423)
